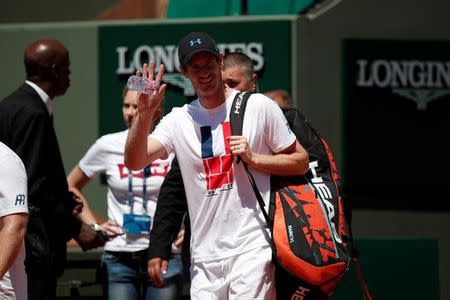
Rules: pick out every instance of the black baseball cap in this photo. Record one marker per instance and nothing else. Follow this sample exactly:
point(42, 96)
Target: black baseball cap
point(194, 43)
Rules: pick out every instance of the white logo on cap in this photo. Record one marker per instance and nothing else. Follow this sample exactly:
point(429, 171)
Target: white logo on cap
point(193, 42)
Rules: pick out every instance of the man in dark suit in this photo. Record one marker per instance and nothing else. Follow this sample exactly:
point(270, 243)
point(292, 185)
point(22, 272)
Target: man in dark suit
point(26, 126)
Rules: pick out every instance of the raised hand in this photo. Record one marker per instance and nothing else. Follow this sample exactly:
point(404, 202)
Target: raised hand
point(149, 103)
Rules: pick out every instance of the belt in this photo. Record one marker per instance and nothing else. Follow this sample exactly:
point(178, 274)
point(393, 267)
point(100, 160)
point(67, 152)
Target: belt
point(137, 255)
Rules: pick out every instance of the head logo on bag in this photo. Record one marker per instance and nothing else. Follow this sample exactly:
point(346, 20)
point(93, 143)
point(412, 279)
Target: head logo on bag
point(300, 293)
point(309, 230)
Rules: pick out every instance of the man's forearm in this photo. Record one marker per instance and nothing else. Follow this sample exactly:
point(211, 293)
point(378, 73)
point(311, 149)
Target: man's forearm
point(11, 238)
point(279, 164)
point(282, 164)
point(136, 155)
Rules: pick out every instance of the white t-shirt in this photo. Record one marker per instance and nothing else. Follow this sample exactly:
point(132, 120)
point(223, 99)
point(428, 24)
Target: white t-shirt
point(226, 218)
point(13, 199)
point(107, 156)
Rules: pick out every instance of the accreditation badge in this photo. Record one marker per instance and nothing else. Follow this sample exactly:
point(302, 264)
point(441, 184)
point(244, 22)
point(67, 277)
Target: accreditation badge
point(136, 224)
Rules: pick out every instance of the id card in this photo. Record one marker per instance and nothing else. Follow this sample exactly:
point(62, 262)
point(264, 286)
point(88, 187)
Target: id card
point(136, 224)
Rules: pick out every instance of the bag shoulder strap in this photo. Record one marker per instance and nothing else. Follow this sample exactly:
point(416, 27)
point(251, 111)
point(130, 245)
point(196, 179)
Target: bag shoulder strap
point(237, 113)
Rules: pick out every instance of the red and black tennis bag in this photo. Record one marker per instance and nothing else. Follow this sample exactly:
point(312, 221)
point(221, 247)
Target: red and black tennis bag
point(306, 216)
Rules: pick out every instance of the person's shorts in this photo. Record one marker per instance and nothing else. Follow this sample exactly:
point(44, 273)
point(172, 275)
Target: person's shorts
point(249, 275)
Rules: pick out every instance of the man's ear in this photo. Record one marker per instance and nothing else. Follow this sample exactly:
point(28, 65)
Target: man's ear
point(255, 82)
point(221, 60)
point(55, 71)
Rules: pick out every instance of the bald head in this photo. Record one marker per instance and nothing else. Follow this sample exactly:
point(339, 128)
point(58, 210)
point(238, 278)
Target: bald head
point(47, 64)
point(241, 60)
point(238, 72)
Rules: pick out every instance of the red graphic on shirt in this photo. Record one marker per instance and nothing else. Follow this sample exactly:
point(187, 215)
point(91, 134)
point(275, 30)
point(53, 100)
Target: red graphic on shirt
point(218, 169)
point(156, 169)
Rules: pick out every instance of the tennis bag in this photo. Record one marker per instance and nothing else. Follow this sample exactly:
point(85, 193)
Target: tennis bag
point(306, 216)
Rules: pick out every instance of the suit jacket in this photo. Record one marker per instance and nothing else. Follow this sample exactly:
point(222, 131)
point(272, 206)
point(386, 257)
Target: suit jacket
point(27, 128)
point(170, 210)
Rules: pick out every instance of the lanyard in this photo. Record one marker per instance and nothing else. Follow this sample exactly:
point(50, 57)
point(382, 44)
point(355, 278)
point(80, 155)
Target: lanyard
point(146, 172)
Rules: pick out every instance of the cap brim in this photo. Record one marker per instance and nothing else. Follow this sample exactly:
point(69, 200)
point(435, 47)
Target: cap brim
point(188, 57)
